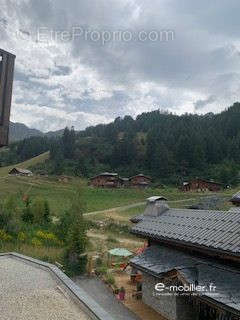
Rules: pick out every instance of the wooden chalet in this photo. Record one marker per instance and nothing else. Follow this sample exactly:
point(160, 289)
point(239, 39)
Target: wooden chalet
point(105, 180)
point(20, 172)
point(201, 185)
point(190, 269)
point(6, 82)
point(140, 181)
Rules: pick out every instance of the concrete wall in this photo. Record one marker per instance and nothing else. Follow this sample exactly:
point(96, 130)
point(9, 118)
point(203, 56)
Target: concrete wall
point(165, 305)
point(169, 306)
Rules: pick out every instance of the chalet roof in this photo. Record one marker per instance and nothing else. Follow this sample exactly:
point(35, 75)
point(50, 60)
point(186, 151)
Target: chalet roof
point(218, 230)
point(156, 198)
point(106, 174)
point(203, 180)
point(140, 175)
point(158, 260)
point(236, 197)
point(20, 170)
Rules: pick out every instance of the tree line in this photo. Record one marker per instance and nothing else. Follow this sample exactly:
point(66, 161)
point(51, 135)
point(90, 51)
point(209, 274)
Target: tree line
point(168, 147)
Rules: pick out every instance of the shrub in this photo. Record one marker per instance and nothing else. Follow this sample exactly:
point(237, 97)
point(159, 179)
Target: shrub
point(10, 205)
point(22, 237)
point(98, 262)
point(112, 239)
point(4, 236)
point(75, 257)
point(27, 215)
point(7, 213)
point(110, 279)
point(101, 270)
point(46, 215)
point(36, 242)
point(64, 224)
point(5, 219)
point(41, 211)
point(48, 238)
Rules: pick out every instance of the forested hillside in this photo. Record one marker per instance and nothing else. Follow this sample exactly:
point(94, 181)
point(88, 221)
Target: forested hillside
point(168, 147)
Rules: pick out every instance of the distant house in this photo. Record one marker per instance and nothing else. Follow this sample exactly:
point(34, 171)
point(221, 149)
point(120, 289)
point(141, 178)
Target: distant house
point(20, 172)
point(189, 252)
point(124, 182)
point(140, 181)
point(105, 180)
point(236, 199)
point(201, 185)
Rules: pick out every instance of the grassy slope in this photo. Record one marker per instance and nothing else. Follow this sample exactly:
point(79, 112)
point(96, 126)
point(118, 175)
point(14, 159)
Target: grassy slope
point(59, 194)
point(26, 164)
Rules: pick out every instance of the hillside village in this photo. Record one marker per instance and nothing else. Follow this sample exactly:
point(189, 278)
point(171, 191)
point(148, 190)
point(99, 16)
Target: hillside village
point(137, 219)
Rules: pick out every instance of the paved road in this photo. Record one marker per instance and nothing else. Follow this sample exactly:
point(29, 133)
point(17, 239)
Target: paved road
point(102, 295)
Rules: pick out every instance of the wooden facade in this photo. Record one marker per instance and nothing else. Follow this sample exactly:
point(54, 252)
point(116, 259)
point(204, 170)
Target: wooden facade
point(140, 181)
point(201, 185)
point(106, 180)
point(6, 82)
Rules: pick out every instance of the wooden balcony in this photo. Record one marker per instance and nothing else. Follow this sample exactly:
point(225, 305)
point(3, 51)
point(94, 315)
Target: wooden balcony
point(6, 81)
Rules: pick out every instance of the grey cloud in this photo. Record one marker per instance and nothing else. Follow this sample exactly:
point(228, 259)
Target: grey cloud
point(198, 69)
point(202, 103)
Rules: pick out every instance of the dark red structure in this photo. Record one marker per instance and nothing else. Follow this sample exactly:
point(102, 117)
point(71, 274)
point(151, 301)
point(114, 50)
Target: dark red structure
point(201, 185)
point(105, 180)
point(140, 181)
point(6, 81)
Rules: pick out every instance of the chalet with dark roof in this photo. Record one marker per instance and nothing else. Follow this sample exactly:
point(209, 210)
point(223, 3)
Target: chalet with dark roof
point(105, 180)
point(201, 185)
point(140, 181)
point(191, 248)
point(20, 172)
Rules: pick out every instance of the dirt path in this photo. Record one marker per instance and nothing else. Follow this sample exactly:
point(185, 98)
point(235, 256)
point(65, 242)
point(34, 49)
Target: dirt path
point(116, 209)
point(121, 240)
point(134, 205)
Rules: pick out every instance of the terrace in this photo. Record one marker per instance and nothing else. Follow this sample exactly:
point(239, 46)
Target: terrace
point(31, 289)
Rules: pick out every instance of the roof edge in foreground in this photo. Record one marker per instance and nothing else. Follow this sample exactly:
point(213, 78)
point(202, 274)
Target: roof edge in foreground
point(87, 303)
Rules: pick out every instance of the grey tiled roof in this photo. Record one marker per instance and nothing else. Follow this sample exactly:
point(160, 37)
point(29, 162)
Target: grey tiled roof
point(157, 260)
point(202, 228)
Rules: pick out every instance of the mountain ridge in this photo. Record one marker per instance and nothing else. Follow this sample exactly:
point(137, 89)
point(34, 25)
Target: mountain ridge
point(19, 131)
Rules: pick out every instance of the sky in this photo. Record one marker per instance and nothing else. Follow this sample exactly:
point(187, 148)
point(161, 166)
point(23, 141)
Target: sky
point(84, 62)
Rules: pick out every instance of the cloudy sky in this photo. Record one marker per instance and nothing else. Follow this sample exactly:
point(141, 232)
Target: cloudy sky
point(83, 62)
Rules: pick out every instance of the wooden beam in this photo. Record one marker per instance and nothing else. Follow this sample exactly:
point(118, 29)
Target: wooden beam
point(7, 61)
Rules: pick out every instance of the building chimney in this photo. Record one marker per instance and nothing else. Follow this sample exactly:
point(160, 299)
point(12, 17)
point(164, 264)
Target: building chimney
point(156, 206)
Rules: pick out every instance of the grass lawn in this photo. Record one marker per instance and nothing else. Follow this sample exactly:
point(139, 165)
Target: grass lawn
point(59, 194)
